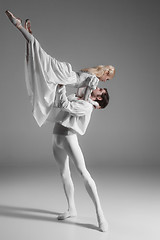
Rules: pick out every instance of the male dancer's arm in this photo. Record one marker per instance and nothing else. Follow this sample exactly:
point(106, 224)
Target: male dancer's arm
point(76, 107)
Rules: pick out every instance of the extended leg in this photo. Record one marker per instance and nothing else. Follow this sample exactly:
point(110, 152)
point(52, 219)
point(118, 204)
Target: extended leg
point(17, 22)
point(28, 28)
point(55, 71)
point(74, 151)
point(63, 163)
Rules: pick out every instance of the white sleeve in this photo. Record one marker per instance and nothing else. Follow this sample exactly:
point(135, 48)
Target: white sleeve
point(92, 83)
point(87, 80)
point(76, 108)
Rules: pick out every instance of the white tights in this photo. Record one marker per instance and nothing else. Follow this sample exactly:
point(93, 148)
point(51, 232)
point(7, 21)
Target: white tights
point(65, 147)
point(29, 37)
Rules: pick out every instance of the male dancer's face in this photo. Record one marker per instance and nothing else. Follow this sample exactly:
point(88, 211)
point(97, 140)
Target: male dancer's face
point(97, 92)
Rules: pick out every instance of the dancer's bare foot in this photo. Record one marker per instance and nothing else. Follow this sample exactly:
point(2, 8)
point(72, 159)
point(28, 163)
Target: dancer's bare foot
point(68, 214)
point(16, 21)
point(28, 26)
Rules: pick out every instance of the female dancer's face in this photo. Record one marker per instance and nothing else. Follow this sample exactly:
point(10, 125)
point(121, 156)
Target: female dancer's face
point(106, 76)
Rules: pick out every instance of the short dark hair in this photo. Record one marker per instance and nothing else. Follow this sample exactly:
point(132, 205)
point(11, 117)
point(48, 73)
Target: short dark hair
point(105, 99)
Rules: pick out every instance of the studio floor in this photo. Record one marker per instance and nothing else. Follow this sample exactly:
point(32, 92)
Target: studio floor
point(31, 197)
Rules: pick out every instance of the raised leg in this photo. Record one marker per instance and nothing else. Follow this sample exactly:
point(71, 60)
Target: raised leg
point(17, 22)
point(63, 163)
point(74, 151)
point(28, 28)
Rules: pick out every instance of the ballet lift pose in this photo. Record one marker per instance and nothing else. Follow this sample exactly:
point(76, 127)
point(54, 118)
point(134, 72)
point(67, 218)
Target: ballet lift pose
point(46, 78)
point(43, 74)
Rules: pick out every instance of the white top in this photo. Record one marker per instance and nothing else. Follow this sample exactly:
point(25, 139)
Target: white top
point(75, 114)
point(43, 73)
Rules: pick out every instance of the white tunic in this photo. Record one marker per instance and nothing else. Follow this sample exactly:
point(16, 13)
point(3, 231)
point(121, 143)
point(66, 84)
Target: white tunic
point(75, 114)
point(43, 73)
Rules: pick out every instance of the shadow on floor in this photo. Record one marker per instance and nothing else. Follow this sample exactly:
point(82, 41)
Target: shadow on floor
point(40, 215)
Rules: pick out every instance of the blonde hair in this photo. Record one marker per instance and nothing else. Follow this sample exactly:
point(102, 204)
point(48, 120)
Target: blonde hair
point(100, 70)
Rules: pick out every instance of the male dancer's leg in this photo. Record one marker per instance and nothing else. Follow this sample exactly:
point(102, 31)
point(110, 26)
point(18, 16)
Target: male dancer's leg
point(73, 149)
point(63, 162)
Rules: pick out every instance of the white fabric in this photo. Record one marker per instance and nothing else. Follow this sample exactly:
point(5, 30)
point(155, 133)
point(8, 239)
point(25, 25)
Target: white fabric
point(85, 79)
point(74, 114)
point(43, 73)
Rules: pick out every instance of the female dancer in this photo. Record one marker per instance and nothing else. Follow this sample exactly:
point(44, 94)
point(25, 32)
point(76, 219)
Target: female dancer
point(44, 73)
point(72, 119)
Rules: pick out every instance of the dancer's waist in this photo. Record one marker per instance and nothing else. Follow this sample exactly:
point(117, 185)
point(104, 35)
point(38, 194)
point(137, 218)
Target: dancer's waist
point(61, 130)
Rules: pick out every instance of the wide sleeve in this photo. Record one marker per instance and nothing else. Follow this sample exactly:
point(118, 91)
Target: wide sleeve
point(74, 107)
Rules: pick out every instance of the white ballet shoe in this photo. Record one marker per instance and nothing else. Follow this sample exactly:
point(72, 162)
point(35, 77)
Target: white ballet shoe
point(16, 21)
point(103, 226)
point(66, 215)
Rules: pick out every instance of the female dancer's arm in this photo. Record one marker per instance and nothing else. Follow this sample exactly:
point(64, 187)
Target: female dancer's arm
point(86, 87)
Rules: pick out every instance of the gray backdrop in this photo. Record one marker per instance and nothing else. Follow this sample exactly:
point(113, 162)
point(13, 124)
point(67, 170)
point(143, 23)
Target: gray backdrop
point(86, 33)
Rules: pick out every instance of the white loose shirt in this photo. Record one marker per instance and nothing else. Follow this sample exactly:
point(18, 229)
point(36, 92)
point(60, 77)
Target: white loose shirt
point(75, 114)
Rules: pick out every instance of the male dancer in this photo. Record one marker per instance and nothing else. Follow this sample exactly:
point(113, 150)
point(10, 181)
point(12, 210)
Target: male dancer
point(74, 118)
